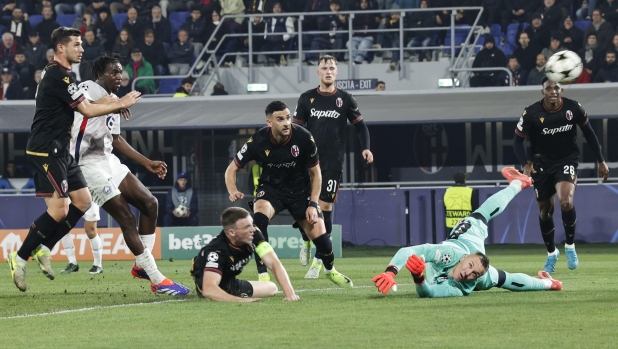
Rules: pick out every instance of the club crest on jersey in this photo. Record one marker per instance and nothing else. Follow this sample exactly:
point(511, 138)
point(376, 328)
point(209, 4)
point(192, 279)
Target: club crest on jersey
point(569, 115)
point(107, 189)
point(213, 257)
point(339, 102)
point(66, 79)
point(260, 194)
point(295, 151)
point(64, 185)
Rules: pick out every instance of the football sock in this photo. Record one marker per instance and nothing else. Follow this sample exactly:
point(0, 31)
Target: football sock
point(496, 203)
point(97, 250)
point(40, 230)
point(324, 251)
point(148, 240)
point(523, 282)
point(147, 262)
point(569, 220)
point(328, 223)
point(64, 227)
point(69, 248)
point(547, 231)
point(261, 221)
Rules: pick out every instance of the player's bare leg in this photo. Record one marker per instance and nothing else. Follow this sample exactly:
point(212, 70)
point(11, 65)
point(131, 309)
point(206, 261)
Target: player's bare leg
point(316, 264)
point(263, 212)
point(263, 289)
point(565, 192)
point(546, 222)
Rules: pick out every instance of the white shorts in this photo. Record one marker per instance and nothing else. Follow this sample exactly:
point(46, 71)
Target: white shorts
point(92, 215)
point(103, 178)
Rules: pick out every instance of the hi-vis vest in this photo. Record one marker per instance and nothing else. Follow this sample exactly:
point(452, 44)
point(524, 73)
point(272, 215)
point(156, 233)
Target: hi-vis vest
point(256, 172)
point(458, 204)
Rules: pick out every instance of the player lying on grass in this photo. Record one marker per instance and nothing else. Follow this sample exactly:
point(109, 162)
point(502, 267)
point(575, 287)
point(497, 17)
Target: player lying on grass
point(215, 268)
point(458, 266)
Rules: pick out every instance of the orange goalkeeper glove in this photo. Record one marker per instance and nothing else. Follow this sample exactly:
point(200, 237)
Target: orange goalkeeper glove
point(384, 281)
point(416, 266)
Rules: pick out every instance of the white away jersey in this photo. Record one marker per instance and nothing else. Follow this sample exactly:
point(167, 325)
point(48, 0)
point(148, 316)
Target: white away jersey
point(91, 139)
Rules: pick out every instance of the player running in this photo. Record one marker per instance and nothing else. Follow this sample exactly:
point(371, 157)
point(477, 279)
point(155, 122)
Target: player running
point(325, 112)
point(553, 160)
point(112, 185)
point(458, 266)
point(91, 217)
point(290, 180)
point(57, 175)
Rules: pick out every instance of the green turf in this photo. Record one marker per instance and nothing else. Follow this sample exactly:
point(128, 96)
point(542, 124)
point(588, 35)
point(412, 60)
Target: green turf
point(583, 315)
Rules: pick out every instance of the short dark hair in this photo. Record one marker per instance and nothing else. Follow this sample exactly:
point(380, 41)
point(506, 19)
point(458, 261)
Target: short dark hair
point(513, 57)
point(101, 63)
point(195, 8)
point(275, 106)
point(381, 82)
point(460, 177)
point(231, 215)
point(609, 50)
point(327, 58)
point(62, 36)
point(188, 80)
point(484, 259)
point(148, 31)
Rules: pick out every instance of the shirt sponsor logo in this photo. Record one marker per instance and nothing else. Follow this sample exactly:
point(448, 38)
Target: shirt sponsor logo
point(212, 265)
point(339, 102)
point(295, 151)
point(286, 165)
point(552, 131)
point(240, 264)
point(324, 113)
point(569, 115)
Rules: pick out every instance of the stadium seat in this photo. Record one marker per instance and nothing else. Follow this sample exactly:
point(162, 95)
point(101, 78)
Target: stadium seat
point(119, 20)
point(511, 32)
point(66, 20)
point(461, 32)
point(2, 29)
point(35, 19)
point(29, 184)
point(5, 184)
point(176, 20)
point(495, 30)
point(582, 24)
point(169, 86)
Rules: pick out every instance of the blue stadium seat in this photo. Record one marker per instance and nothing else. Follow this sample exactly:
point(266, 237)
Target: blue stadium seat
point(461, 32)
point(29, 184)
point(5, 184)
point(169, 86)
point(2, 29)
point(582, 24)
point(495, 30)
point(35, 19)
point(119, 20)
point(511, 32)
point(66, 20)
point(177, 19)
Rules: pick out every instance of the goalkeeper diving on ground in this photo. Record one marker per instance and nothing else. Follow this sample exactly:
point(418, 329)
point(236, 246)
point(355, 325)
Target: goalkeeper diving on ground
point(458, 265)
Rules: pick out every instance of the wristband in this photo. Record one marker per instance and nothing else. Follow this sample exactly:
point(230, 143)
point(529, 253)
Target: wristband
point(418, 280)
point(314, 204)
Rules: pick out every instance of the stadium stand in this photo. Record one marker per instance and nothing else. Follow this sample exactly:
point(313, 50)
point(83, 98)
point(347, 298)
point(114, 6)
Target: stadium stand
point(66, 20)
point(169, 86)
point(35, 19)
point(119, 20)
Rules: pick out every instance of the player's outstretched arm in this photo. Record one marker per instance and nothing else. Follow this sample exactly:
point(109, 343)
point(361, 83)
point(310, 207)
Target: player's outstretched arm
point(104, 107)
point(272, 262)
point(230, 182)
point(158, 167)
point(212, 291)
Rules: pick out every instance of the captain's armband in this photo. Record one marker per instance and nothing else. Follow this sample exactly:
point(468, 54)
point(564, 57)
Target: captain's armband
point(263, 249)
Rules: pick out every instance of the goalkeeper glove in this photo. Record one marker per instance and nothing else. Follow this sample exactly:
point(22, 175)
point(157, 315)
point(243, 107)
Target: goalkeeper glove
point(416, 266)
point(384, 281)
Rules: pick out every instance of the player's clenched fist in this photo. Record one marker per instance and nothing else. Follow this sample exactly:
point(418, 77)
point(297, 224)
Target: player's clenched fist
point(384, 281)
point(416, 266)
point(236, 196)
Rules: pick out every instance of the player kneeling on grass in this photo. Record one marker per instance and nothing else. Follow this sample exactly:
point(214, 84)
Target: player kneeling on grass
point(458, 266)
point(216, 266)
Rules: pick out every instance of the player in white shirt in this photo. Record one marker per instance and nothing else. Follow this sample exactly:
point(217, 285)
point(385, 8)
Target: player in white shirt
point(112, 185)
point(91, 217)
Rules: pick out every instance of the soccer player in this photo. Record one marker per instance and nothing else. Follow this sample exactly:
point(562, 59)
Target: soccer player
point(290, 180)
point(111, 184)
point(216, 266)
point(91, 217)
point(458, 266)
point(57, 175)
point(549, 124)
point(324, 111)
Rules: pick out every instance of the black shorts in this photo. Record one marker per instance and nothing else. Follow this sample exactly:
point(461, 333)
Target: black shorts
point(331, 180)
point(296, 206)
point(56, 173)
point(547, 176)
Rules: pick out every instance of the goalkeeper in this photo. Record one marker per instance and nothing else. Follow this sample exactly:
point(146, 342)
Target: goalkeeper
point(458, 266)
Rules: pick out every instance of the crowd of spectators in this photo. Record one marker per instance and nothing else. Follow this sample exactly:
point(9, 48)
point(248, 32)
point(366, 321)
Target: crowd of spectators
point(515, 32)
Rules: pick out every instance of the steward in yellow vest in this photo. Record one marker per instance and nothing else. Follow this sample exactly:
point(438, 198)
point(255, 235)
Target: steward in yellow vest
point(459, 201)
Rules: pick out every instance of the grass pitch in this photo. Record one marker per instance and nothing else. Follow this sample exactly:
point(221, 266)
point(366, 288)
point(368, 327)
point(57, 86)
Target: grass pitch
point(113, 310)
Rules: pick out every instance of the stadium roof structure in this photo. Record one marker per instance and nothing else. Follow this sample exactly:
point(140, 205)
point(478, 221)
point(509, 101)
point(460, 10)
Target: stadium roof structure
point(389, 107)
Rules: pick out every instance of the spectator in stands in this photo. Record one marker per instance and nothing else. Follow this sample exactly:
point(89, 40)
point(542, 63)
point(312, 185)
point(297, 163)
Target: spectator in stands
point(125, 85)
point(195, 25)
point(185, 88)
point(119, 6)
point(181, 194)
point(92, 47)
point(105, 29)
point(590, 54)
point(443, 18)
point(153, 51)
point(492, 11)
point(210, 28)
point(609, 12)
point(10, 88)
point(35, 51)
point(144, 9)
point(139, 67)
point(555, 45)
point(572, 36)
point(615, 42)
point(489, 56)
point(37, 79)
point(520, 75)
point(49, 55)
point(18, 26)
point(242, 43)
point(539, 34)
point(585, 10)
point(38, 7)
point(70, 6)
point(603, 30)
point(180, 55)
point(47, 25)
point(609, 70)
point(517, 11)
point(81, 71)
point(8, 48)
point(123, 46)
point(231, 8)
point(160, 26)
point(391, 39)
point(219, 90)
point(311, 22)
point(526, 52)
point(168, 6)
point(536, 75)
point(422, 38)
point(12, 171)
point(380, 86)
point(207, 6)
point(552, 14)
point(361, 39)
point(134, 25)
point(24, 70)
point(85, 21)
point(282, 25)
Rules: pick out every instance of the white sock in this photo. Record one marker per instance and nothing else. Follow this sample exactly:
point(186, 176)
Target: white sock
point(572, 246)
point(44, 248)
point(547, 283)
point(553, 253)
point(97, 250)
point(20, 260)
point(517, 184)
point(147, 261)
point(148, 241)
point(69, 248)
